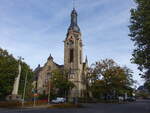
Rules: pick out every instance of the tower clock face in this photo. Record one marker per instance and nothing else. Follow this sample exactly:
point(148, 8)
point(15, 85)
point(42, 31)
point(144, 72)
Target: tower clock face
point(67, 43)
point(75, 35)
point(71, 42)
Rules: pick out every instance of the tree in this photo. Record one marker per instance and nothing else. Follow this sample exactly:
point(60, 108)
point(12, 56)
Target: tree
point(108, 78)
point(140, 35)
point(61, 83)
point(8, 73)
point(147, 85)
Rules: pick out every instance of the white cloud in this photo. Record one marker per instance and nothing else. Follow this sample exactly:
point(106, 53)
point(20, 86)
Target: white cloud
point(33, 29)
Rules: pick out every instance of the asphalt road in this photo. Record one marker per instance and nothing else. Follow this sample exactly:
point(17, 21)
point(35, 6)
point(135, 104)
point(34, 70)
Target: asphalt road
point(141, 106)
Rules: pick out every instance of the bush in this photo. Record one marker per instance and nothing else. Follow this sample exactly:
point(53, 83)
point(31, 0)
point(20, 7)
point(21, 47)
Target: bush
point(68, 105)
point(17, 104)
point(12, 104)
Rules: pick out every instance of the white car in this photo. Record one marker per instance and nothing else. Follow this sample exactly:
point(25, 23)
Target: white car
point(59, 100)
point(120, 98)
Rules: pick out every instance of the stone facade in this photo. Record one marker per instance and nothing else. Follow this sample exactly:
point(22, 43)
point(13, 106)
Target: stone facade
point(43, 74)
point(73, 61)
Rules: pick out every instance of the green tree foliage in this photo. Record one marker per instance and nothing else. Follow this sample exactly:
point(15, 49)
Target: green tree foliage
point(26, 70)
point(60, 82)
point(140, 35)
point(147, 85)
point(8, 73)
point(108, 78)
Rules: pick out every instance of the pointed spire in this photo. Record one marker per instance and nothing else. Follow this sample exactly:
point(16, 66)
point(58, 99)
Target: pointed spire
point(86, 60)
point(37, 68)
point(50, 57)
point(74, 23)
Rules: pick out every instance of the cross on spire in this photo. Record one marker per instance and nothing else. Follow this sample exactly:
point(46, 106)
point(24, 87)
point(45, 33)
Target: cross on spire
point(74, 4)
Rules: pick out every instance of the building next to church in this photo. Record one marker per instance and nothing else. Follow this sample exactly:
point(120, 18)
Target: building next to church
point(73, 61)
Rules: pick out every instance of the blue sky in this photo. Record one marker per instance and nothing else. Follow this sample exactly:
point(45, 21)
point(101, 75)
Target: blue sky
point(35, 28)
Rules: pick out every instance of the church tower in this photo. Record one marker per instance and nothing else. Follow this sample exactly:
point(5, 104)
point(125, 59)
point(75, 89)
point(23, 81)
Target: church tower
point(73, 54)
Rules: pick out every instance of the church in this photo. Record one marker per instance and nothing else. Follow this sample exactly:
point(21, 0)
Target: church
point(73, 61)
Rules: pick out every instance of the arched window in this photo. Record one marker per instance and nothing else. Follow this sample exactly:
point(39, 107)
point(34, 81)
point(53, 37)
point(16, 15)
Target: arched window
point(71, 55)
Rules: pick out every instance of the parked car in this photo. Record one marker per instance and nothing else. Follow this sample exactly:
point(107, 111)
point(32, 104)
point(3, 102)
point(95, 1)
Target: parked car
point(130, 99)
point(59, 100)
point(120, 99)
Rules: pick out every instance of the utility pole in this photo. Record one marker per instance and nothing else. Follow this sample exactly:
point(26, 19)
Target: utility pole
point(35, 95)
point(34, 102)
point(49, 86)
point(24, 91)
point(49, 91)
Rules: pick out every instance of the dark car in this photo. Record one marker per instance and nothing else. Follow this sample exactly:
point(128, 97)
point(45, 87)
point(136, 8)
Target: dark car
point(131, 99)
